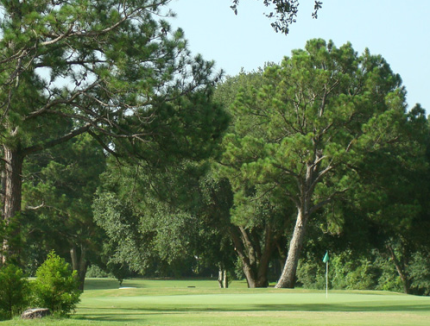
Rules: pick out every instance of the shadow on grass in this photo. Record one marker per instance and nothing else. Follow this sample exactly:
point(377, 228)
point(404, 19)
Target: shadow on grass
point(138, 314)
point(270, 307)
point(117, 317)
point(101, 284)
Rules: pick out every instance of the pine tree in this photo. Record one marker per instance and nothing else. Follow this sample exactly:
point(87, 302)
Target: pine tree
point(106, 68)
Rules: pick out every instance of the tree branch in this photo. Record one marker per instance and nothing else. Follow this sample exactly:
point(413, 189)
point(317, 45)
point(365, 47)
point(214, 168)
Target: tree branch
point(102, 144)
point(52, 143)
point(326, 201)
point(34, 208)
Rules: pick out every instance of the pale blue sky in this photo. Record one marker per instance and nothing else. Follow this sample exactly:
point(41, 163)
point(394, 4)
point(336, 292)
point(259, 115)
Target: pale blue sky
point(398, 30)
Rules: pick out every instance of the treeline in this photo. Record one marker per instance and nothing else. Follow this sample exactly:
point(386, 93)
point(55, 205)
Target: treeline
point(320, 153)
point(147, 162)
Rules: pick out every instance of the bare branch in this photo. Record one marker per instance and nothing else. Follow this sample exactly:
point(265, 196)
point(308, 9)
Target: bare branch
point(60, 37)
point(35, 208)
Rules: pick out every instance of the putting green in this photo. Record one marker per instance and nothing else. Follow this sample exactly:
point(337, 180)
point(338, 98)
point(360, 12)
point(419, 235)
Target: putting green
point(176, 303)
point(266, 302)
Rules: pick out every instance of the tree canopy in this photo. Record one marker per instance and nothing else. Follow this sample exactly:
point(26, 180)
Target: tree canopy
point(111, 69)
point(304, 134)
point(201, 171)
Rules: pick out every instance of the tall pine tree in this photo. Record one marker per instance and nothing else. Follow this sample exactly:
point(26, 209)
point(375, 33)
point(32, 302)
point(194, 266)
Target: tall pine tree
point(303, 134)
point(108, 68)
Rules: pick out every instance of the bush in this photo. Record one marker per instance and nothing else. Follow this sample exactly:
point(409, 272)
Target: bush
point(419, 272)
point(311, 274)
point(14, 290)
point(56, 287)
point(96, 271)
point(345, 272)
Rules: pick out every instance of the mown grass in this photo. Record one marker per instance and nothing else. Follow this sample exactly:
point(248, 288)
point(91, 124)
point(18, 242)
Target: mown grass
point(200, 302)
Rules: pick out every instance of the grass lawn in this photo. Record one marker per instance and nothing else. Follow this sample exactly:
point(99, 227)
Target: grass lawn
point(199, 302)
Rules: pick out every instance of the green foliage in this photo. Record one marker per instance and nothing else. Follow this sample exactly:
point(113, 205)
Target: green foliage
point(159, 219)
point(259, 220)
point(311, 274)
point(14, 291)
point(95, 271)
point(372, 272)
point(325, 125)
point(56, 286)
point(60, 182)
point(131, 86)
point(352, 273)
point(389, 279)
point(420, 273)
point(346, 272)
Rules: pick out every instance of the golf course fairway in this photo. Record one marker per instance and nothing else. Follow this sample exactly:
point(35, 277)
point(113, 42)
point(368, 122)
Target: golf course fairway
point(153, 302)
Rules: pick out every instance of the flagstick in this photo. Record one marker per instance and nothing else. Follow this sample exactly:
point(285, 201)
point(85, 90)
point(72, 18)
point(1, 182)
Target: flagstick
point(326, 260)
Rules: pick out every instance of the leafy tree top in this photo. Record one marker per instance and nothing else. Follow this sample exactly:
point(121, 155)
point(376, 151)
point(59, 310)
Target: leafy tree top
point(109, 68)
point(315, 119)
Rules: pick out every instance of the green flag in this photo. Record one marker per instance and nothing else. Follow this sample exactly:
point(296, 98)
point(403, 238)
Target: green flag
point(326, 259)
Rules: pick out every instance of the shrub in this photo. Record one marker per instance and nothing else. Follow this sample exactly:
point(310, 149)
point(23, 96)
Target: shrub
point(345, 272)
point(311, 274)
point(56, 287)
point(419, 271)
point(96, 271)
point(14, 290)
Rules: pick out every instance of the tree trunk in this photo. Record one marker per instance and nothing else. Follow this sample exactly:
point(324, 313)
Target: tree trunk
point(270, 243)
point(79, 265)
point(12, 203)
point(401, 270)
point(288, 276)
point(255, 260)
point(220, 276)
point(2, 195)
point(243, 253)
point(74, 258)
point(249, 274)
point(225, 279)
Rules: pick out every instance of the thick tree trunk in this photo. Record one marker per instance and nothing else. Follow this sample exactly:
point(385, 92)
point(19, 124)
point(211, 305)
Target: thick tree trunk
point(270, 244)
point(249, 274)
point(12, 202)
point(80, 265)
point(255, 260)
point(288, 276)
point(243, 253)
